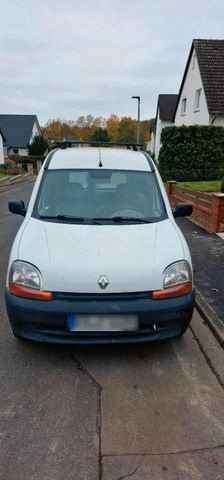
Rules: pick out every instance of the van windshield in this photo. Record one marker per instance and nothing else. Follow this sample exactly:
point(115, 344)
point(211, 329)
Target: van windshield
point(103, 195)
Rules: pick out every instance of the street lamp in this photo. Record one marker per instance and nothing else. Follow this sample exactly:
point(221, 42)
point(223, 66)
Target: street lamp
point(138, 122)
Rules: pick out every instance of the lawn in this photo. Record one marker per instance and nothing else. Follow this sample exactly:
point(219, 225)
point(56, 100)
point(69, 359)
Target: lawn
point(207, 186)
point(3, 175)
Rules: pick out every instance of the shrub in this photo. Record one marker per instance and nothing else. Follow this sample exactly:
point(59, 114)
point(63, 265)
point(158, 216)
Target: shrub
point(10, 163)
point(38, 146)
point(192, 153)
point(31, 159)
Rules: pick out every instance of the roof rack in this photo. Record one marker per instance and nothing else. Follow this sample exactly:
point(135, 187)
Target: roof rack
point(72, 143)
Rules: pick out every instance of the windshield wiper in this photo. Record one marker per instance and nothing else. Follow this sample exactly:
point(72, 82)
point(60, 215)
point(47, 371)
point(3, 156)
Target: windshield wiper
point(120, 219)
point(69, 217)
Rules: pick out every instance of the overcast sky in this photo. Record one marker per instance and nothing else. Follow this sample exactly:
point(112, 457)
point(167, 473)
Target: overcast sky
point(66, 58)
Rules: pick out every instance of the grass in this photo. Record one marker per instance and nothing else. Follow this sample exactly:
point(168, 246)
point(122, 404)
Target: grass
point(207, 186)
point(4, 175)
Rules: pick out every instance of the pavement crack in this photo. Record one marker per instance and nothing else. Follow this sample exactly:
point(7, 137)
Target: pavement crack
point(207, 359)
point(98, 387)
point(158, 454)
point(86, 372)
point(128, 475)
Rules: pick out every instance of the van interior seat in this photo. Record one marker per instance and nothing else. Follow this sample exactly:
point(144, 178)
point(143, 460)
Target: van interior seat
point(75, 201)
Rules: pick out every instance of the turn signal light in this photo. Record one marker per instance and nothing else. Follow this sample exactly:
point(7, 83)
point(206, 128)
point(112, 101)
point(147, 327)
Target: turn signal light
point(28, 292)
point(172, 292)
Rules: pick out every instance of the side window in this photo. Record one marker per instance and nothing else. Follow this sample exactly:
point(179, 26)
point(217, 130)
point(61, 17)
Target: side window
point(197, 99)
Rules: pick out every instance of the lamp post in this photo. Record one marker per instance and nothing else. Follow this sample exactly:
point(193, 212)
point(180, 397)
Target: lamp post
point(138, 122)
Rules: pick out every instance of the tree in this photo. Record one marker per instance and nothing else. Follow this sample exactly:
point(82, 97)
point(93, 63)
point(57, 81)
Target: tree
point(38, 146)
point(127, 130)
point(85, 127)
point(112, 126)
point(53, 129)
point(101, 135)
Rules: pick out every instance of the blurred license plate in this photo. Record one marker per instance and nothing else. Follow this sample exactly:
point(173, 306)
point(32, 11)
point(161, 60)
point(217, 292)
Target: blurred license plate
point(102, 323)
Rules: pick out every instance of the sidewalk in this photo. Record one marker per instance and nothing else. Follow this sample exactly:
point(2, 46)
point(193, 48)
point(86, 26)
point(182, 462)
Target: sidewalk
point(207, 251)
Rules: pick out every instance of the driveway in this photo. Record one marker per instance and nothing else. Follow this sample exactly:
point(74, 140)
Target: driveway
point(142, 412)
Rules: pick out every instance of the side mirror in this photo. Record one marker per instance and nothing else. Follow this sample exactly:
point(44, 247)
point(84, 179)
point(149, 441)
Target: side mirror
point(18, 207)
point(182, 210)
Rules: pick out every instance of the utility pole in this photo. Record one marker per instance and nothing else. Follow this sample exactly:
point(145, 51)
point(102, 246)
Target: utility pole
point(138, 121)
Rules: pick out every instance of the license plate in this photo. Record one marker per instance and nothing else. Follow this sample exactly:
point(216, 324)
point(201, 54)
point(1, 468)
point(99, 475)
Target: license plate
point(102, 323)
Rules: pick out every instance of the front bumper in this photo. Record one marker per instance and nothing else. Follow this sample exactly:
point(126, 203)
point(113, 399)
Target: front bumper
point(47, 321)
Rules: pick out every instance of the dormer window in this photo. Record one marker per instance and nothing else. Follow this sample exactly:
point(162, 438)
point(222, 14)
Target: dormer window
point(197, 100)
point(183, 106)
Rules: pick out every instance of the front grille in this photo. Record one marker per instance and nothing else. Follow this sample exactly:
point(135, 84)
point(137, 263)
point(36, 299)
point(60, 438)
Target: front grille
point(102, 296)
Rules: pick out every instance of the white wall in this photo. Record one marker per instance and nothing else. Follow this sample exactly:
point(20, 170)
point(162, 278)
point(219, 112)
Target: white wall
point(21, 151)
point(1, 150)
point(192, 83)
point(150, 145)
point(159, 126)
point(35, 131)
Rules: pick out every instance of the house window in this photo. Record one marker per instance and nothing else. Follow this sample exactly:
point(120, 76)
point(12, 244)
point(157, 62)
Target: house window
point(15, 150)
point(183, 106)
point(194, 60)
point(197, 99)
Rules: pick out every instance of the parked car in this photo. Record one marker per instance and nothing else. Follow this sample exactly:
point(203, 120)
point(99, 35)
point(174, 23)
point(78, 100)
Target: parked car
point(99, 257)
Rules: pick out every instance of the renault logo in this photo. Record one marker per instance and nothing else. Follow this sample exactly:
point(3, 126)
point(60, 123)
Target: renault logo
point(103, 282)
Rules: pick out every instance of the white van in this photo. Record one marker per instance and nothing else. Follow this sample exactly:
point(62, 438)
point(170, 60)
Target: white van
point(99, 257)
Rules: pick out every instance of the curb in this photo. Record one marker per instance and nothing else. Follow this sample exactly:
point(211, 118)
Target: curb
point(14, 180)
point(210, 317)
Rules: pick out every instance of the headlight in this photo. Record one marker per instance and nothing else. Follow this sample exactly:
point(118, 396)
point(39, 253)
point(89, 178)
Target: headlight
point(176, 281)
point(23, 273)
point(25, 281)
point(176, 274)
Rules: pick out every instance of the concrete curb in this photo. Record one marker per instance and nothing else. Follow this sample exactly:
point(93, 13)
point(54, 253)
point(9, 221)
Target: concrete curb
point(210, 317)
point(17, 179)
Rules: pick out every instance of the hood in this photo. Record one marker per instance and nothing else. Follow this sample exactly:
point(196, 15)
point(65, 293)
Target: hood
point(71, 258)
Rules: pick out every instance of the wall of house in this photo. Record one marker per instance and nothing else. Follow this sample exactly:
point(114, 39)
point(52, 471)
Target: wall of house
point(22, 151)
point(217, 121)
point(150, 145)
point(35, 131)
point(192, 83)
point(1, 150)
point(159, 126)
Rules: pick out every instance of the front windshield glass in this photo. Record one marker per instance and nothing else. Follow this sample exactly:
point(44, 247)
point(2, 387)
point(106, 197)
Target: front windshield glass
point(100, 194)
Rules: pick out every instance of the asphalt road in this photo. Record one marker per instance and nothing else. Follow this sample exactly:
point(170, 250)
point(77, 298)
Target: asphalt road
point(142, 412)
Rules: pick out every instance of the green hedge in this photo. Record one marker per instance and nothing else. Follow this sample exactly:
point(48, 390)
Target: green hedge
point(31, 159)
point(192, 153)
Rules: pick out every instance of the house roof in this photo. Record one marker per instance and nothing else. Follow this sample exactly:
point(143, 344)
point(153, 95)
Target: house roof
point(166, 106)
point(210, 57)
point(17, 129)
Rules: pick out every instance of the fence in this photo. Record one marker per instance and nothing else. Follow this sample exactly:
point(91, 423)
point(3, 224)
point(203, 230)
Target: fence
point(208, 209)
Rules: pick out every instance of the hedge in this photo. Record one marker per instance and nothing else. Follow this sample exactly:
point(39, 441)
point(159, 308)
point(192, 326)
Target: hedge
point(192, 153)
point(31, 159)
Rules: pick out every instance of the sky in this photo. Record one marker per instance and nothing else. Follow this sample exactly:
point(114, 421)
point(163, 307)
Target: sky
point(66, 58)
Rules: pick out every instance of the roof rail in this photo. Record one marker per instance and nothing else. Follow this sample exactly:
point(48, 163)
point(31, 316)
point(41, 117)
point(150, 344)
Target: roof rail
point(150, 161)
point(72, 143)
point(49, 157)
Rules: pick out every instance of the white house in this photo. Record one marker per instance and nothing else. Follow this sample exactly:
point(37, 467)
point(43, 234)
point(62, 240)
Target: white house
point(201, 96)
point(164, 117)
point(2, 139)
point(18, 132)
point(150, 144)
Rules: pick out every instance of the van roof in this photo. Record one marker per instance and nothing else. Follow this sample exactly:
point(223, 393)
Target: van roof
point(89, 158)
